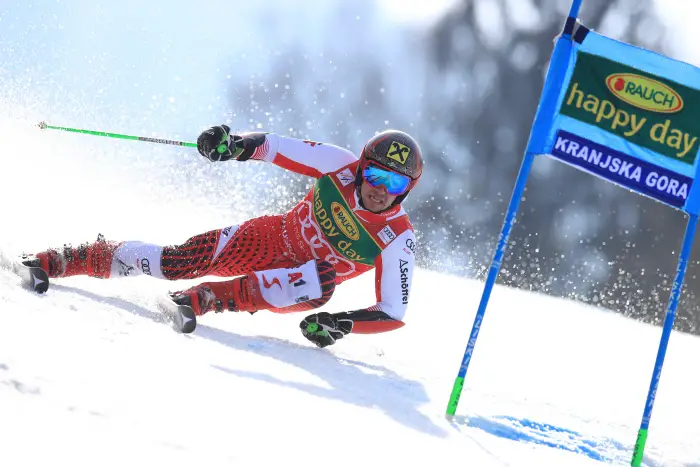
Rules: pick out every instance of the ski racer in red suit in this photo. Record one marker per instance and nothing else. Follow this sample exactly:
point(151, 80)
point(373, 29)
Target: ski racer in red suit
point(350, 222)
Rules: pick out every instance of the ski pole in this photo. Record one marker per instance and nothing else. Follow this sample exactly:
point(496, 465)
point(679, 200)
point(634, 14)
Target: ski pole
point(44, 125)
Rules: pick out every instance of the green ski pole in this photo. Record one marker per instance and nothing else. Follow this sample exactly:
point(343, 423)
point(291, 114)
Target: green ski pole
point(44, 125)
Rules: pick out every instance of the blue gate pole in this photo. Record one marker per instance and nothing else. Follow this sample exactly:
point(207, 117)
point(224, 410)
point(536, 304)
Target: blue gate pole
point(491, 279)
point(542, 125)
point(665, 335)
point(575, 7)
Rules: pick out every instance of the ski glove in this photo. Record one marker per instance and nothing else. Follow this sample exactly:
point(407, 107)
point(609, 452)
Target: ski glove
point(323, 329)
point(218, 145)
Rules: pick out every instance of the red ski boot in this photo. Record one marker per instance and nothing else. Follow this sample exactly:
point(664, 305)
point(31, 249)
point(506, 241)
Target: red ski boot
point(231, 295)
point(200, 298)
point(93, 259)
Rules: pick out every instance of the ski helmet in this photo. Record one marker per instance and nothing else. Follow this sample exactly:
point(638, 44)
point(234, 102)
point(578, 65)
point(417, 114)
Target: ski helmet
point(396, 151)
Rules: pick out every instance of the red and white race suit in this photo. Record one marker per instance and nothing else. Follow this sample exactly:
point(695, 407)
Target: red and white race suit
point(276, 252)
point(329, 223)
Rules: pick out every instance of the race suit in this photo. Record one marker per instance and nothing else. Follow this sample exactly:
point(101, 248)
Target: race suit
point(329, 226)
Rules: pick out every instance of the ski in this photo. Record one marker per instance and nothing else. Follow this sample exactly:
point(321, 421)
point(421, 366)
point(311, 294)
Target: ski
point(33, 276)
point(181, 316)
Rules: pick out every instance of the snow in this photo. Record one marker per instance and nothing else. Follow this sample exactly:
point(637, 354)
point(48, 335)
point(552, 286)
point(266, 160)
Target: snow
point(90, 376)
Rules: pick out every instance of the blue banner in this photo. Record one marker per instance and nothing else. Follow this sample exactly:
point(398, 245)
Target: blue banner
point(622, 169)
point(624, 114)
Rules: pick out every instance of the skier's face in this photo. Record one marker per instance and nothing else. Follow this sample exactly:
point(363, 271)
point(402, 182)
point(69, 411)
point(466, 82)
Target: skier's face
point(375, 198)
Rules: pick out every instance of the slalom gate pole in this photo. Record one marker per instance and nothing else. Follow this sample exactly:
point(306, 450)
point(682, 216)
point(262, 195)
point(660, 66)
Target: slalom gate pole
point(575, 7)
point(543, 120)
point(638, 454)
point(44, 126)
point(490, 280)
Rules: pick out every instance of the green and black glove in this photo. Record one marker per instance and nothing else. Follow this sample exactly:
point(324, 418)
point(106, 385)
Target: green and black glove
point(217, 144)
point(323, 329)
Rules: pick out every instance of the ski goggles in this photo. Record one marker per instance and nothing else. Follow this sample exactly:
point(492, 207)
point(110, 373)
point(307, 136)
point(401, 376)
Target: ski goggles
point(395, 183)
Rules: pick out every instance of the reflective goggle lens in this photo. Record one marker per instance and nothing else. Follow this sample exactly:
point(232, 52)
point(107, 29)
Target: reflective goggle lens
point(395, 183)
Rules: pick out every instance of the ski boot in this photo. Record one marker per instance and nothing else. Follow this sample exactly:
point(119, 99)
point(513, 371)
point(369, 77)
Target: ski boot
point(203, 298)
point(183, 307)
point(231, 295)
point(94, 259)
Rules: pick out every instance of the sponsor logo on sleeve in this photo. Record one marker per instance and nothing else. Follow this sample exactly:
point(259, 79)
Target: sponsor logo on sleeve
point(403, 269)
point(411, 245)
point(387, 235)
point(345, 177)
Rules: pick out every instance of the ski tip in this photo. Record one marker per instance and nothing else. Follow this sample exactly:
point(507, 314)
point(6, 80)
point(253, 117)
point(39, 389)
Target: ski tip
point(189, 319)
point(40, 284)
point(33, 277)
point(182, 317)
point(38, 280)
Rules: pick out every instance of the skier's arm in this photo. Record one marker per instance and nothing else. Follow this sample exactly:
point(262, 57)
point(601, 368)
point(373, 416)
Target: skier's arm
point(302, 157)
point(324, 328)
point(394, 271)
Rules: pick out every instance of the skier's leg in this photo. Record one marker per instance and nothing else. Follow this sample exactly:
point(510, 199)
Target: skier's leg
point(254, 245)
point(231, 251)
point(235, 250)
point(106, 259)
point(91, 259)
point(281, 290)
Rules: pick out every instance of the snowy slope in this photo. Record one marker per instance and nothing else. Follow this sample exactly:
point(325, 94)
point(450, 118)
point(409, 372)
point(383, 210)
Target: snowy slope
point(89, 376)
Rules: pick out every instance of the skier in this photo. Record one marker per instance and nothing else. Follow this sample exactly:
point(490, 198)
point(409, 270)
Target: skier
point(350, 222)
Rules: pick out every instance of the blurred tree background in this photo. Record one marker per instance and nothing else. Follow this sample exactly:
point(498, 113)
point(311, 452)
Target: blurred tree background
point(468, 88)
point(576, 236)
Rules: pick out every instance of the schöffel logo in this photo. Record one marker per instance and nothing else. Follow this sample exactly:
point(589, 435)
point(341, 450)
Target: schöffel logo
point(645, 93)
point(403, 269)
point(344, 221)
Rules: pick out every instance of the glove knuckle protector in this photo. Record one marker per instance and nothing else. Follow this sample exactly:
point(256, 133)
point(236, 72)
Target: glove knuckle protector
point(214, 143)
point(324, 329)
